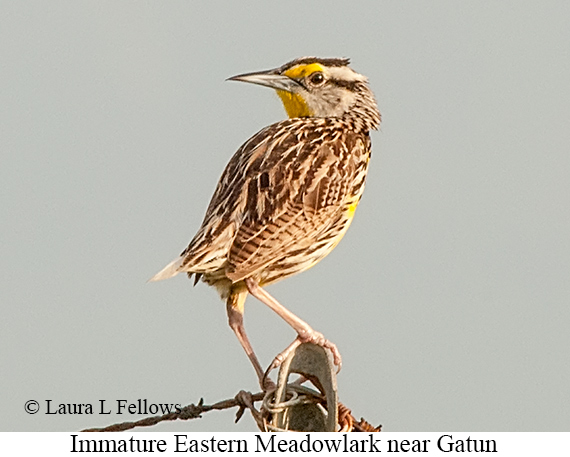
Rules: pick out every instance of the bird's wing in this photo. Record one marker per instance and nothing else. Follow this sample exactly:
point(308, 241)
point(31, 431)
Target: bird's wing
point(294, 189)
point(277, 194)
point(209, 249)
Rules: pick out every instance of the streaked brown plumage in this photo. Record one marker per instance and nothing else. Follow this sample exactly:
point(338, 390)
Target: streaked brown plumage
point(288, 194)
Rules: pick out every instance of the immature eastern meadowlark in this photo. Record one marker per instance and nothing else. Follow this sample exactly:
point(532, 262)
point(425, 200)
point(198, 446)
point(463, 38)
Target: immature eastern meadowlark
point(288, 195)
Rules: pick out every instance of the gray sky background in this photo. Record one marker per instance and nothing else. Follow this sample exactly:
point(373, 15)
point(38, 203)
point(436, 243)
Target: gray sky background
point(449, 296)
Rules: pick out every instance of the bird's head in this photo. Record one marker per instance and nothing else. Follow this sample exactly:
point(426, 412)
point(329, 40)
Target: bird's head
point(314, 87)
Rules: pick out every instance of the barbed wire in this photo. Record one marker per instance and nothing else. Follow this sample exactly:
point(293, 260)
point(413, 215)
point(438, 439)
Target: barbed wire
point(243, 400)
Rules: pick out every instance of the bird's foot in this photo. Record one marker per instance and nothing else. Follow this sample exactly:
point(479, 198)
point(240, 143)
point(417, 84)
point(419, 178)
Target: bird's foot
point(311, 336)
point(307, 336)
point(267, 384)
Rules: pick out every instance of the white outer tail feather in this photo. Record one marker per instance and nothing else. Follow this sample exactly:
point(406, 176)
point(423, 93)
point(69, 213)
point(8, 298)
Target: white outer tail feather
point(170, 270)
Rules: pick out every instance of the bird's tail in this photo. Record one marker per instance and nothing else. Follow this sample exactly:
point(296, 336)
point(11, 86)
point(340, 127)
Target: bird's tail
point(170, 270)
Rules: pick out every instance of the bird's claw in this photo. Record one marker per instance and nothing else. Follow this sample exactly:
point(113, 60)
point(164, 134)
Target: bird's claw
point(307, 337)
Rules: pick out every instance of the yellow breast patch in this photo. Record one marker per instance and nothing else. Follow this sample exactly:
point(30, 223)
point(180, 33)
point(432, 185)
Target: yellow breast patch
point(351, 209)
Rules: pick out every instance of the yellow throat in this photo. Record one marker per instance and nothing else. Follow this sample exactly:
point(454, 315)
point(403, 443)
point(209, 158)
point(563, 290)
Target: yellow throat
point(294, 104)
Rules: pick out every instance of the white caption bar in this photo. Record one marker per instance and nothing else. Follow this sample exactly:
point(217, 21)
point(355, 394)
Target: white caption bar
point(443, 444)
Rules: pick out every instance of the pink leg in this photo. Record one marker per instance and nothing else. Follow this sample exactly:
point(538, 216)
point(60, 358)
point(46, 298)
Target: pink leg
point(234, 308)
point(304, 331)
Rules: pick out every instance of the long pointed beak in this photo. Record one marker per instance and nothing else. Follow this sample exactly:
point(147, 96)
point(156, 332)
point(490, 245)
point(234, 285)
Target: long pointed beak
point(268, 79)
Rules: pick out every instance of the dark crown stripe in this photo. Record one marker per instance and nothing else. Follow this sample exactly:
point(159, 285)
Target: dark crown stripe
point(331, 62)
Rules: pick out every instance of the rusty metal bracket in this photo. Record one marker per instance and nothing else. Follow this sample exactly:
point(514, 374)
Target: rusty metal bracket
point(294, 407)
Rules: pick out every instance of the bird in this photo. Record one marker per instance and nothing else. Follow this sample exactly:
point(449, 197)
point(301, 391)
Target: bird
point(287, 196)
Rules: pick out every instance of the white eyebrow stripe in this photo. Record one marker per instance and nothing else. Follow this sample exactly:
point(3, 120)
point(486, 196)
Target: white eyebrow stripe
point(344, 74)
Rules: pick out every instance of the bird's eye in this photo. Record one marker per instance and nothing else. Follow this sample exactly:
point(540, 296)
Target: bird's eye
point(317, 78)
